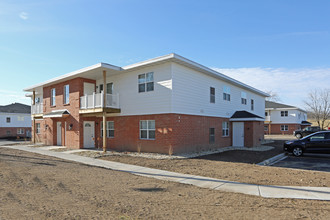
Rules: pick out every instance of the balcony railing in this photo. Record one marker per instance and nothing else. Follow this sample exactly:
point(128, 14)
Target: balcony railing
point(96, 100)
point(37, 108)
point(267, 118)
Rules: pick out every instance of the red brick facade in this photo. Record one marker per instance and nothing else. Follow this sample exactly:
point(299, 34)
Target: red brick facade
point(12, 132)
point(276, 128)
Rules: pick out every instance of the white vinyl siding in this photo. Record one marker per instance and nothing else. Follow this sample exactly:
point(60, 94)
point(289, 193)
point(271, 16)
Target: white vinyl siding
point(295, 116)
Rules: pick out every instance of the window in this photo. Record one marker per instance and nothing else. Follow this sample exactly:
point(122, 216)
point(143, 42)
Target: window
point(8, 132)
point(212, 95)
point(243, 98)
point(211, 135)
point(109, 88)
point(252, 105)
point(265, 127)
point(284, 113)
point(101, 88)
point(20, 118)
point(147, 129)
point(284, 127)
point(38, 128)
point(146, 82)
point(66, 94)
point(225, 129)
point(110, 129)
point(226, 93)
point(317, 137)
point(37, 100)
point(52, 97)
point(8, 119)
point(266, 113)
point(20, 131)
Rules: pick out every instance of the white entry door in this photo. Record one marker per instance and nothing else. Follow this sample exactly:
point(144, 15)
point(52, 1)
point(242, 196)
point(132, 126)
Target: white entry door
point(238, 134)
point(89, 133)
point(59, 133)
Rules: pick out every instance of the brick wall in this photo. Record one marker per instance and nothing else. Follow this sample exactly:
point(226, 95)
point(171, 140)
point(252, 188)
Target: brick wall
point(276, 129)
point(13, 132)
point(253, 133)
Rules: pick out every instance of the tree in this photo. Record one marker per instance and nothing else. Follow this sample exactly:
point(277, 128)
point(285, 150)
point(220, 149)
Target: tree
point(273, 96)
point(318, 104)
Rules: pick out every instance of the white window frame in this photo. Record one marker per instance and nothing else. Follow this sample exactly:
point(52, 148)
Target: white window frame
point(37, 128)
point(66, 94)
point(226, 93)
point(252, 104)
point(225, 129)
point(265, 127)
point(20, 130)
point(284, 127)
point(284, 113)
point(147, 129)
point(110, 127)
point(212, 95)
point(243, 98)
point(143, 79)
point(52, 97)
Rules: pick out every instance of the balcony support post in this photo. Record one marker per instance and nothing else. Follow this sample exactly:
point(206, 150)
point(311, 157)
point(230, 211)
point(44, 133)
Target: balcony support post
point(104, 113)
point(34, 120)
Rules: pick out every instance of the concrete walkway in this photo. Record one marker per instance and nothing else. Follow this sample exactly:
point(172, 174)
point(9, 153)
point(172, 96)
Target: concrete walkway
point(292, 192)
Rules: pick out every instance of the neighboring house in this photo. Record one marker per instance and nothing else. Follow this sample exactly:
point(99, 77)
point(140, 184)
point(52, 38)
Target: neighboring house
point(15, 121)
point(284, 119)
point(166, 104)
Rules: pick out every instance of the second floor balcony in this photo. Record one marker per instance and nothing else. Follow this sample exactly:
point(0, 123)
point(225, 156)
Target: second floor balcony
point(95, 103)
point(37, 109)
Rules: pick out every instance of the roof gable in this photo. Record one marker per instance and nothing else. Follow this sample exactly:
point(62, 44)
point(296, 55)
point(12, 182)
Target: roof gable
point(16, 108)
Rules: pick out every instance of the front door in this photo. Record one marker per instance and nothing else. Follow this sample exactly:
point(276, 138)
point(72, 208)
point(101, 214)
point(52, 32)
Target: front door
point(59, 133)
point(238, 134)
point(89, 132)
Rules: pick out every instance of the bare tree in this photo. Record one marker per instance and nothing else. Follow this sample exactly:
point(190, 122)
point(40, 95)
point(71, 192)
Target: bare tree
point(273, 96)
point(318, 104)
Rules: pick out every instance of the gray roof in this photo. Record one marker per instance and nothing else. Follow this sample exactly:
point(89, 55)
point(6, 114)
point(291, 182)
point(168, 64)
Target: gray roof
point(244, 114)
point(269, 104)
point(16, 108)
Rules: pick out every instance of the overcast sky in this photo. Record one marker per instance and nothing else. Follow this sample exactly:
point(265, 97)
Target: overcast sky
point(277, 45)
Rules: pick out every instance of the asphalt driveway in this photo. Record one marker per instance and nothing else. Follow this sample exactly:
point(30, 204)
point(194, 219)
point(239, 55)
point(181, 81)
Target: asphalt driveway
point(317, 162)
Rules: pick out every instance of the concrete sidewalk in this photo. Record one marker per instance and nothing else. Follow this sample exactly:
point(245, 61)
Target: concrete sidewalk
point(292, 192)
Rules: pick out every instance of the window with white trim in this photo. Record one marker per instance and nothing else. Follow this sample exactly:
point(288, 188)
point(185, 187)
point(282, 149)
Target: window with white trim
point(225, 129)
point(284, 127)
point(52, 97)
point(146, 82)
point(211, 135)
point(37, 128)
point(252, 105)
point(212, 95)
point(226, 93)
point(243, 98)
point(284, 113)
point(265, 127)
point(109, 88)
point(66, 94)
point(20, 130)
point(110, 129)
point(147, 129)
point(20, 118)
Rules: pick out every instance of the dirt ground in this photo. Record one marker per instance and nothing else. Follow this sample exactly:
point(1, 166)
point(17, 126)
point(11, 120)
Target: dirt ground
point(40, 187)
point(242, 168)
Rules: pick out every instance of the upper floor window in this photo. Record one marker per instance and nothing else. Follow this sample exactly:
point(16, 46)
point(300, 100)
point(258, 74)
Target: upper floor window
point(20, 118)
point(52, 97)
point(66, 94)
point(146, 82)
point(225, 128)
point(147, 129)
point(266, 113)
point(100, 88)
point(8, 119)
point(109, 88)
point(212, 95)
point(226, 93)
point(284, 113)
point(252, 105)
point(243, 98)
point(37, 100)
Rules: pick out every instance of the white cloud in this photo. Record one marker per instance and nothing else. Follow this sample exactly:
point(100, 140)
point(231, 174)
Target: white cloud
point(23, 15)
point(8, 97)
point(292, 85)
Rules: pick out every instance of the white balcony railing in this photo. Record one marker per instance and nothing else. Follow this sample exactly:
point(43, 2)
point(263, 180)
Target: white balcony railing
point(37, 108)
point(96, 101)
point(267, 118)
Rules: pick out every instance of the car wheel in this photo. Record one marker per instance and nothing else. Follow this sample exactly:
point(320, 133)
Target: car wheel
point(298, 136)
point(297, 151)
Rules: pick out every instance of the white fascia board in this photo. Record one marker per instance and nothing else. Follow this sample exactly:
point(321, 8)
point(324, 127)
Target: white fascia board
point(74, 73)
point(285, 109)
point(150, 61)
point(246, 119)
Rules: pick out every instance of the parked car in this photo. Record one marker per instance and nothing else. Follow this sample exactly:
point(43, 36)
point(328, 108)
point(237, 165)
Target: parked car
point(318, 142)
point(306, 131)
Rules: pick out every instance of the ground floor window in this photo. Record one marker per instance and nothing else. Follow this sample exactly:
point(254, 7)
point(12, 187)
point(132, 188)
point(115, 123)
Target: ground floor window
point(147, 129)
point(20, 131)
point(38, 128)
point(225, 129)
point(266, 128)
point(8, 132)
point(284, 127)
point(110, 129)
point(211, 135)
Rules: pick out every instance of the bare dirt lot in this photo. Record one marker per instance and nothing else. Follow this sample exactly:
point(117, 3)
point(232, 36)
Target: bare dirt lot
point(40, 187)
point(242, 168)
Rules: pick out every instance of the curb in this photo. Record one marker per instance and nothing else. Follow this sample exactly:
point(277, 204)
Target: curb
point(273, 160)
